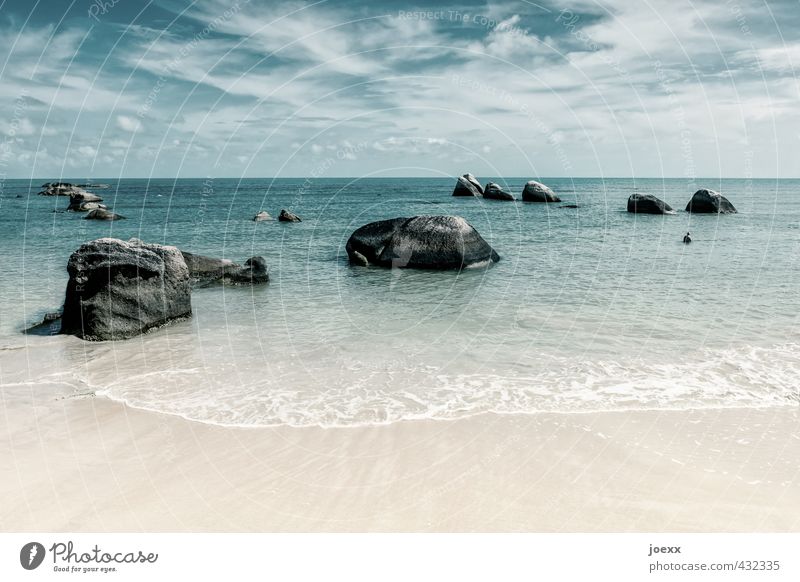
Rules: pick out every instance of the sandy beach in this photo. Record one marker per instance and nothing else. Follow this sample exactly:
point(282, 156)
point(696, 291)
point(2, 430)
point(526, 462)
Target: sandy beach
point(84, 463)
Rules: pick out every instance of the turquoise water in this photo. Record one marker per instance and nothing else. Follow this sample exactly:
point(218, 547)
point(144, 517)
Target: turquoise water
point(589, 309)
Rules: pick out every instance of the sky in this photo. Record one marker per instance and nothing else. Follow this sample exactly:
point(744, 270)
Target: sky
point(238, 88)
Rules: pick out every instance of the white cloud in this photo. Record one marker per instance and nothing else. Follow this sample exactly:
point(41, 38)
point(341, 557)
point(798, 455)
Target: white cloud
point(128, 123)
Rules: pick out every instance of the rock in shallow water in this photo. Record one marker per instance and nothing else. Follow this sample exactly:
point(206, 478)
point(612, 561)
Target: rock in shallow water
point(537, 192)
point(468, 185)
point(118, 290)
point(286, 216)
point(710, 202)
point(648, 204)
point(495, 192)
point(103, 214)
point(208, 270)
point(421, 242)
point(262, 216)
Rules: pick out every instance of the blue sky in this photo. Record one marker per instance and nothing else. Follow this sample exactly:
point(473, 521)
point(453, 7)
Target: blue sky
point(226, 88)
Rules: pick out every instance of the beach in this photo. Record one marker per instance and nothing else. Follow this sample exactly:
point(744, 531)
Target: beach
point(602, 376)
point(84, 463)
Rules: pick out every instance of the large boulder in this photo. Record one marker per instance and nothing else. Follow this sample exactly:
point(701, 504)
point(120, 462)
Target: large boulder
point(421, 242)
point(648, 204)
point(537, 192)
point(118, 290)
point(495, 192)
point(709, 201)
point(468, 185)
point(286, 216)
point(81, 201)
point(60, 189)
point(103, 214)
point(205, 271)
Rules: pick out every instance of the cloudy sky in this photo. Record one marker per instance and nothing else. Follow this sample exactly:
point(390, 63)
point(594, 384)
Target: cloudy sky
point(170, 88)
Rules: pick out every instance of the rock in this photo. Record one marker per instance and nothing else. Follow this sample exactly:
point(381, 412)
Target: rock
point(709, 201)
point(495, 192)
point(648, 204)
point(367, 243)
point(118, 290)
point(205, 271)
point(569, 206)
point(82, 201)
point(50, 324)
point(468, 185)
point(102, 214)
point(85, 206)
point(61, 189)
point(421, 242)
point(261, 216)
point(286, 216)
point(537, 192)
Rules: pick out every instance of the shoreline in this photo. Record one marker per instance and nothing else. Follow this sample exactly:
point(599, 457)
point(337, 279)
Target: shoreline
point(93, 464)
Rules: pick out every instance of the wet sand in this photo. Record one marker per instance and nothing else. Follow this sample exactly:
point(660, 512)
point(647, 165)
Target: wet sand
point(83, 463)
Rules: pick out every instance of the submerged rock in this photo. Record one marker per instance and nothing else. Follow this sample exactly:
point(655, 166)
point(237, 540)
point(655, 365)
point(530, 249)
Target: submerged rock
point(205, 271)
point(86, 207)
point(103, 214)
point(286, 216)
point(50, 324)
point(261, 216)
point(118, 290)
point(468, 185)
point(537, 192)
point(648, 204)
point(709, 201)
point(421, 242)
point(495, 192)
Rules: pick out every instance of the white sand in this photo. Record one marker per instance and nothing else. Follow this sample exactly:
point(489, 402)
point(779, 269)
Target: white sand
point(89, 464)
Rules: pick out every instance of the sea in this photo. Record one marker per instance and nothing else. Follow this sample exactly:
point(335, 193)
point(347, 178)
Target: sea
point(590, 308)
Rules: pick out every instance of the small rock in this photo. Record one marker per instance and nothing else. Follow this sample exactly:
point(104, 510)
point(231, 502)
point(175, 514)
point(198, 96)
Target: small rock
point(286, 216)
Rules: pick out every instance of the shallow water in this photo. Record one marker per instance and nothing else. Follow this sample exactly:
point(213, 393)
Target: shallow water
point(590, 308)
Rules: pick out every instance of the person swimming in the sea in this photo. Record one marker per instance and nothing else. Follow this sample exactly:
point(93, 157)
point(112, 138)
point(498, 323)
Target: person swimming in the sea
point(688, 238)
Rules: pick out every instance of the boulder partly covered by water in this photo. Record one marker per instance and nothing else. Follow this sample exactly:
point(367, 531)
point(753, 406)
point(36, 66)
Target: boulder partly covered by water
point(537, 192)
point(262, 216)
point(495, 192)
point(118, 290)
point(286, 216)
point(205, 271)
point(648, 204)
point(103, 214)
point(83, 201)
point(708, 201)
point(421, 242)
point(468, 185)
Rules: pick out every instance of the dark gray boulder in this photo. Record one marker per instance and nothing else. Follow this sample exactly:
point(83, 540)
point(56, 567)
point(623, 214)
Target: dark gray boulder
point(83, 201)
point(262, 216)
point(648, 204)
point(365, 245)
point(537, 192)
point(468, 185)
point(710, 202)
point(421, 242)
point(205, 271)
point(85, 206)
point(103, 214)
point(118, 290)
point(286, 216)
point(495, 192)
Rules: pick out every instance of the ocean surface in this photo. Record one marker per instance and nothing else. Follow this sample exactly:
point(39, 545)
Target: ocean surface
point(590, 308)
